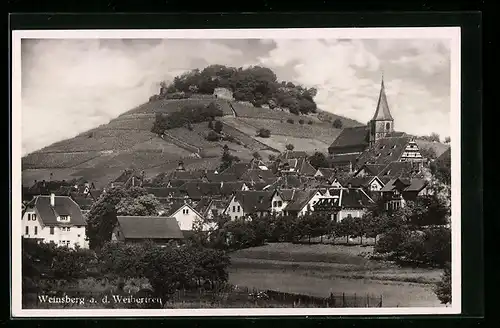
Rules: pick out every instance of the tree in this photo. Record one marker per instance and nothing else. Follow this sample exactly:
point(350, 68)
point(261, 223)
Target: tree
point(318, 160)
point(443, 287)
point(289, 147)
point(212, 136)
point(271, 157)
point(301, 121)
point(256, 155)
point(264, 133)
point(146, 205)
point(447, 140)
point(227, 159)
point(218, 126)
point(337, 124)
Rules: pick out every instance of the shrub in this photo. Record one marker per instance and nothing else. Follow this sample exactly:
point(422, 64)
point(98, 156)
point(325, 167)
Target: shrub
point(290, 121)
point(264, 133)
point(310, 122)
point(337, 123)
point(301, 121)
point(213, 136)
point(218, 126)
point(443, 287)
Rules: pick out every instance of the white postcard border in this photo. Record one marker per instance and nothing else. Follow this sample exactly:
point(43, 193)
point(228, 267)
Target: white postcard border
point(451, 33)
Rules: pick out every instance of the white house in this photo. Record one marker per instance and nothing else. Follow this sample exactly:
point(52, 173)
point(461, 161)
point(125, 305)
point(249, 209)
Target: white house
point(55, 219)
point(344, 202)
point(244, 203)
point(186, 215)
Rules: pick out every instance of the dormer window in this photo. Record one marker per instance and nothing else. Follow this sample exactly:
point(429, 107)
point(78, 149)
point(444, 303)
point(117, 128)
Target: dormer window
point(64, 218)
point(394, 147)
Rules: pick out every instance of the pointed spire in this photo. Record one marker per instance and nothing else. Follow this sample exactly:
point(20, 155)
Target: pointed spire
point(382, 113)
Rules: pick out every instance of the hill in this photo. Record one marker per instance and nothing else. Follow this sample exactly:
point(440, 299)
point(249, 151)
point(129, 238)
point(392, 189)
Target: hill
point(126, 142)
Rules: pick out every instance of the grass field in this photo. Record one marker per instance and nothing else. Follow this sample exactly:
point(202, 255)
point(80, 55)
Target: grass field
point(321, 269)
point(173, 105)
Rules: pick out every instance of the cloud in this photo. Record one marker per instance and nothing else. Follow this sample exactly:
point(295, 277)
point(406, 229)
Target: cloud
point(347, 74)
point(83, 83)
point(70, 86)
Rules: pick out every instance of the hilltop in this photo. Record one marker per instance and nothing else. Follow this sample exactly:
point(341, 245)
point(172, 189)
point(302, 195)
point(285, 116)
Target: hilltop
point(174, 125)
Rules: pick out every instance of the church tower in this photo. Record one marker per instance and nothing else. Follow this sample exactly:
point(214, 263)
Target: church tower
point(382, 122)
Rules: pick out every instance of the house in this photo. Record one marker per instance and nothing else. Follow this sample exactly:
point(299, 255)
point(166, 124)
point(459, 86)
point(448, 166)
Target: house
point(325, 173)
point(158, 229)
point(344, 202)
point(238, 169)
point(297, 166)
point(129, 178)
point(185, 214)
point(398, 191)
point(301, 202)
point(245, 203)
point(371, 183)
point(55, 219)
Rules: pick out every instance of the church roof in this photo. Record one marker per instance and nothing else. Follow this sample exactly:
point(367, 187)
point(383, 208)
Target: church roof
point(352, 136)
point(382, 113)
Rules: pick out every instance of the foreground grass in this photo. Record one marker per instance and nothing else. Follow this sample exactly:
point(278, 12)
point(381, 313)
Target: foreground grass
point(319, 270)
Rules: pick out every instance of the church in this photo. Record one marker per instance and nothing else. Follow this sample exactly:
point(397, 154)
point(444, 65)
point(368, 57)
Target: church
point(376, 144)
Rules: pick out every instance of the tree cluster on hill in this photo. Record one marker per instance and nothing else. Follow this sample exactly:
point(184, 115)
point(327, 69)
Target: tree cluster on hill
point(227, 159)
point(255, 84)
point(193, 113)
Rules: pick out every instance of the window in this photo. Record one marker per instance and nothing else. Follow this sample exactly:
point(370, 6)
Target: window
point(275, 204)
point(239, 209)
point(29, 216)
point(51, 230)
point(234, 208)
point(280, 203)
point(36, 230)
point(388, 126)
point(64, 218)
point(27, 231)
point(33, 217)
point(185, 211)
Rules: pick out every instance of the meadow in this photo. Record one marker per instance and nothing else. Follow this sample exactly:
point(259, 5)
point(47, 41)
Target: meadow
point(320, 269)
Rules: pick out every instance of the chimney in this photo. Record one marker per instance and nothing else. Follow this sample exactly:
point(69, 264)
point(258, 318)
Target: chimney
point(52, 200)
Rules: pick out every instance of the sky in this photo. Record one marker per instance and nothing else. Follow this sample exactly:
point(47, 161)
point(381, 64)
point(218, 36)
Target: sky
point(72, 85)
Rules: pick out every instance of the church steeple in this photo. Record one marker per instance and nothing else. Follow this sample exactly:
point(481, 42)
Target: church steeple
point(382, 113)
point(382, 122)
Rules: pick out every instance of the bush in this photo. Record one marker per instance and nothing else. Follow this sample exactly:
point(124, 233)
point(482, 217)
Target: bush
point(218, 126)
point(443, 287)
point(310, 122)
point(290, 121)
point(212, 136)
point(301, 121)
point(194, 113)
point(264, 133)
point(337, 124)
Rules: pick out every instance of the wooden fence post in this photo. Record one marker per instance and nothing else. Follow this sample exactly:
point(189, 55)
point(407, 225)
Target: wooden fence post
point(343, 299)
point(367, 300)
point(355, 302)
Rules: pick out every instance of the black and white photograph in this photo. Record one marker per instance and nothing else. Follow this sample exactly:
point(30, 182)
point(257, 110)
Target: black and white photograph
point(236, 172)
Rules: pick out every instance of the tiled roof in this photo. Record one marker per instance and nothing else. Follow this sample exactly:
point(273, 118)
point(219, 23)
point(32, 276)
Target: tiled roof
point(222, 177)
point(359, 182)
point(164, 192)
point(149, 227)
point(177, 183)
point(384, 151)
point(300, 199)
point(404, 185)
point(382, 113)
point(230, 187)
point(355, 198)
point(352, 136)
point(203, 205)
point(395, 169)
point(197, 190)
point(258, 176)
point(372, 169)
point(254, 201)
point(237, 169)
point(445, 156)
point(327, 173)
point(187, 175)
point(64, 205)
point(344, 159)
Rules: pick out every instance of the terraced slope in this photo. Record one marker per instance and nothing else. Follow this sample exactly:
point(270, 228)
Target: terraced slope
point(101, 154)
